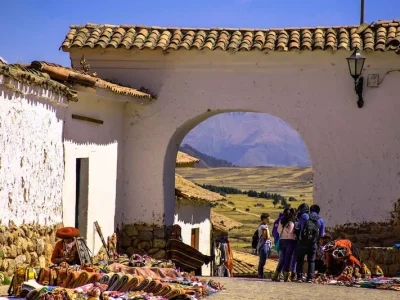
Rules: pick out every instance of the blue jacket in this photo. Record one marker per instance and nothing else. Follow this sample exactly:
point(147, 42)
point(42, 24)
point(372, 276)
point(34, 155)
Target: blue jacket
point(302, 222)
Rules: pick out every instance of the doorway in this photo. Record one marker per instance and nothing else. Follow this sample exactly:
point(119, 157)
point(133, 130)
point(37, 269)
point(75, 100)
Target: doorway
point(82, 195)
point(195, 238)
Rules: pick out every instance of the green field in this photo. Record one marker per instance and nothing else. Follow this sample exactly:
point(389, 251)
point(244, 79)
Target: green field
point(287, 181)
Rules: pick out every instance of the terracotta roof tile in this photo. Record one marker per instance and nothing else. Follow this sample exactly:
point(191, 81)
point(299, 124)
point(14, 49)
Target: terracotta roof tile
point(30, 76)
point(64, 74)
point(223, 223)
point(59, 79)
point(379, 36)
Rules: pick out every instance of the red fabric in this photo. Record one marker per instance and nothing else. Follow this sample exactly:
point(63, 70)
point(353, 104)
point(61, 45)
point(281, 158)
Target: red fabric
point(67, 233)
point(229, 261)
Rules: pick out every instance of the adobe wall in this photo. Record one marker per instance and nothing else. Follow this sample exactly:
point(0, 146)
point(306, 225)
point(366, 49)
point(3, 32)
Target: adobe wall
point(190, 215)
point(31, 173)
point(102, 145)
point(31, 154)
point(355, 152)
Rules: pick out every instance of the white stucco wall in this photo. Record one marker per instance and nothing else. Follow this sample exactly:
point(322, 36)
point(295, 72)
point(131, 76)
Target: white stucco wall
point(193, 216)
point(354, 152)
point(31, 154)
point(101, 143)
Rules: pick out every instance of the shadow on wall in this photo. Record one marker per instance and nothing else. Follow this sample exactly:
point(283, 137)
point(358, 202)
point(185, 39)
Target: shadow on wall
point(191, 214)
point(88, 133)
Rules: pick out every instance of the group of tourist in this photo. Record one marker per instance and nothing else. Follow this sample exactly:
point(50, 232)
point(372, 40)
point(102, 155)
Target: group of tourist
point(300, 234)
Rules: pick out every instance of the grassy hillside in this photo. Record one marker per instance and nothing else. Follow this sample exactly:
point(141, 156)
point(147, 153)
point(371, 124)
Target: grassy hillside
point(287, 181)
point(206, 161)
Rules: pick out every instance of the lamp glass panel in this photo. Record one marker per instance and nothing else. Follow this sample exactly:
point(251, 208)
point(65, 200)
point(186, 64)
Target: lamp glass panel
point(359, 66)
point(352, 65)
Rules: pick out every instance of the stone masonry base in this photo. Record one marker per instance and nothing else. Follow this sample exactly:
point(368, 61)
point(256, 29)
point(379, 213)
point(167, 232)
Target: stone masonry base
point(143, 239)
point(26, 245)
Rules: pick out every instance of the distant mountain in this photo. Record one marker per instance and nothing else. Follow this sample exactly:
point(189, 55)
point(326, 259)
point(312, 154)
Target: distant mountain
point(206, 161)
point(249, 139)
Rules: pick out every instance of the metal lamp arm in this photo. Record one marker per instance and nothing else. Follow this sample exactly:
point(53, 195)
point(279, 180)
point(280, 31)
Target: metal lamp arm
point(358, 86)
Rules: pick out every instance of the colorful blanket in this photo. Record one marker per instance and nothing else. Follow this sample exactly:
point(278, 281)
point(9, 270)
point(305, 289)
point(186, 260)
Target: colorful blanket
point(185, 257)
point(164, 284)
point(153, 272)
point(384, 283)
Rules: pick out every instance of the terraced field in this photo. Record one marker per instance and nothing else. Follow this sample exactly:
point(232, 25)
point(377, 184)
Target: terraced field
point(288, 181)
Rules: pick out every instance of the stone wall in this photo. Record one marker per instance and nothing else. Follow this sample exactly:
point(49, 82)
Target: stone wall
point(27, 245)
point(387, 258)
point(368, 234)
point(384, 234)
point(143, 239)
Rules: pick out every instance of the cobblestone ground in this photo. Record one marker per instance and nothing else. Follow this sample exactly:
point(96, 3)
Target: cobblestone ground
point(243, 288)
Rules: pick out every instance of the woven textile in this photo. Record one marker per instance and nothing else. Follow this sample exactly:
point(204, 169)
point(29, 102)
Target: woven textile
point(185, 257)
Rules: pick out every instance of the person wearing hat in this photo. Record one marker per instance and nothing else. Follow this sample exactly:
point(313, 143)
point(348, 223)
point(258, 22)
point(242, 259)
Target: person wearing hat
point(66, 250)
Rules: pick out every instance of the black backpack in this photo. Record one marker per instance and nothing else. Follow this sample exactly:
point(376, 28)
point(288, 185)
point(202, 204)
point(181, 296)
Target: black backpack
point(254, 241)
point(310, 233)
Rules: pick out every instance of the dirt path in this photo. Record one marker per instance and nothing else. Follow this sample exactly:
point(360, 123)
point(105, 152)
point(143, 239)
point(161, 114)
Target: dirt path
point(241, 211)
point(254, 289)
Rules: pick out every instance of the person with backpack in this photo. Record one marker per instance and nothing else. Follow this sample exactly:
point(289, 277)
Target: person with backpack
point(309, 229)
point(287, 244)
point(314, 211)
point(264, 243)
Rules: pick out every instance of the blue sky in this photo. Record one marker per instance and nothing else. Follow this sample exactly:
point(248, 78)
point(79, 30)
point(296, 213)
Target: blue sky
point(34, 29)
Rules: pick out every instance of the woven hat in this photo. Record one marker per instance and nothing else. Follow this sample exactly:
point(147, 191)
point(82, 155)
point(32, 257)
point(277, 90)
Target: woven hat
point(67, 233)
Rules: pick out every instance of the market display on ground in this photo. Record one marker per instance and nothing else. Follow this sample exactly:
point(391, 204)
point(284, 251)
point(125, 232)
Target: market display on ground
point(143, 277)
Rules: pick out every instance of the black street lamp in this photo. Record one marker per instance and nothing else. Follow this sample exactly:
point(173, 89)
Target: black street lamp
point(356, 64)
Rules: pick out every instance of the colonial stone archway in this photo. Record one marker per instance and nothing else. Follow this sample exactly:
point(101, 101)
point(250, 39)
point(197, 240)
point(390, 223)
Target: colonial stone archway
point(355, 152)
point(176, 141)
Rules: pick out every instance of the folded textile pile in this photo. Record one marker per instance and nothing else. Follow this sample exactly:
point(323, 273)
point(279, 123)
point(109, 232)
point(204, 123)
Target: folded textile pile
point(125, 283)
point(29, 286)
point(385, 283)
point(135, 260)
point(112, 295)
point(80, 278)
point(89, 291)
point(185, 257)
point(380, 283)
point(153, 272)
